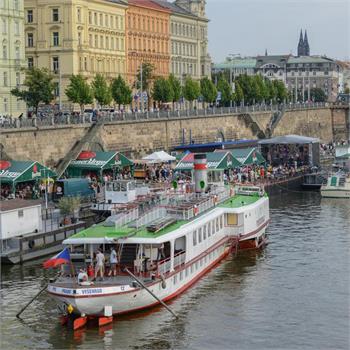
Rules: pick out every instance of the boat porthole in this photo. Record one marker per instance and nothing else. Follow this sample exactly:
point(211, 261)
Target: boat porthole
point(163, 284)
point(31, 244)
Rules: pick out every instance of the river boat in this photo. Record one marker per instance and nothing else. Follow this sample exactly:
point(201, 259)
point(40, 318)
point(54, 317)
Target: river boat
point(313, 181)
point(337, 186)
point(164, 251)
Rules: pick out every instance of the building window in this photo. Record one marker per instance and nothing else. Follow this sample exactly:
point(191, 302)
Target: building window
point(5, 79)
point(4, 52)
point(18, 79)
point(79, 38)
point(16, 5)
point(5, 104)
point(17, 53)
point(30, 40)
point(4, 26)
point(55, 39)
point(79, 14)
point(29, 16)
point(90, 17)
point(55, 15)
point(16, 27)
point(55, 64)
point(30, 62)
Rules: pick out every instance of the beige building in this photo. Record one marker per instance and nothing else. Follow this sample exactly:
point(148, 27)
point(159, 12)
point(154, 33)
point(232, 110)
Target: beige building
point(189, 38)
point(11, 56)
point(76, 37)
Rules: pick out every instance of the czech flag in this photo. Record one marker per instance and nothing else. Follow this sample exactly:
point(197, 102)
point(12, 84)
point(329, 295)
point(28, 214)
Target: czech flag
point(61, 258)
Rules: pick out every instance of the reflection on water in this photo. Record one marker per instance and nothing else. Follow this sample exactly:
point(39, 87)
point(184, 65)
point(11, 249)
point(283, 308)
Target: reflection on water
point(292, 295)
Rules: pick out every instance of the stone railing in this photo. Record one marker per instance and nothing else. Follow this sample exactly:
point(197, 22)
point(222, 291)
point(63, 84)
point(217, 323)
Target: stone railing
point(108, 117)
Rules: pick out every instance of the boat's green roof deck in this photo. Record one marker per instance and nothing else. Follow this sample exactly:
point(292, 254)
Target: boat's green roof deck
point(239, 201)
point(100, 231)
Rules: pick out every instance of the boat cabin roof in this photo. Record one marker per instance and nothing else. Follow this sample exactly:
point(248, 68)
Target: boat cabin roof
point(152, 232)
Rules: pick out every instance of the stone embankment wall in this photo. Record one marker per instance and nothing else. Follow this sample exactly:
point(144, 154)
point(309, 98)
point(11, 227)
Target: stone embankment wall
point(136, 138)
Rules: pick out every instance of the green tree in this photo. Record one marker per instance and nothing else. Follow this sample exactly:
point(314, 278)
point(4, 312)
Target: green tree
point(238, 95)
point(79, 91)
point(208, 90)
point(281, 90)
point(176, 87)
point(226, 91)
point(101, 90)
point(347, 90)
point(121, 93)
point(317, 95)
point(39, 88)
point(191, 90)
point(271, 89)
point(147, 78)
point(162, 91)
point(263, 92)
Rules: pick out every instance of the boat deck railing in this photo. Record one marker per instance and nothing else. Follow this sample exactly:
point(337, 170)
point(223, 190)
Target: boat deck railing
point(164, 266)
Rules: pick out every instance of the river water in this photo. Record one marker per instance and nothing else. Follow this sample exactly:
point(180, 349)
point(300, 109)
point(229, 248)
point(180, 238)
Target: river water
point(292, 295)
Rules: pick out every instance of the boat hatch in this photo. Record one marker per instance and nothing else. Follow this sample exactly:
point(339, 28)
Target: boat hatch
point(160, 224)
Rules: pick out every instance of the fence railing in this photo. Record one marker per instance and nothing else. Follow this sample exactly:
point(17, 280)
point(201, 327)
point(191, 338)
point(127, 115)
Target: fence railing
point(164, 266)
point(52, 121)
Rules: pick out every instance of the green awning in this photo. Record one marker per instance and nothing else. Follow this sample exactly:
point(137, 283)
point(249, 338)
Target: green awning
point(88, 160)
point(14, 171)
point(248, 156)
point(216, 161)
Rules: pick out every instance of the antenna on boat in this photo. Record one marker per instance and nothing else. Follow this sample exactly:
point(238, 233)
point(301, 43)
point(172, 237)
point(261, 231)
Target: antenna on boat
point(150, 292)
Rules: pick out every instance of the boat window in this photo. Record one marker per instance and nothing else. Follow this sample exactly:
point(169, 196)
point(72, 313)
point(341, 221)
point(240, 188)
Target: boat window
point(217, 224)
point(109, 186)
point(123, 186)
point(116, 186)
point(194, 238)
point(213, 227)
point(181, 275)
point(209, 229)
point(192, 268)
point(175, 279)
point(232, 219)
point(201, 262)
point(199, 235)
point(196, 265)
point(204, 232)
point(221, 222)
point(186, 273)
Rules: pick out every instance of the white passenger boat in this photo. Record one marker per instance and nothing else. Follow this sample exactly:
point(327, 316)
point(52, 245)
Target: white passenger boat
point(337, 186)
point(193, 231)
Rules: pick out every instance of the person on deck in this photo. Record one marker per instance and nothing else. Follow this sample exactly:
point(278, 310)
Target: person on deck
point(100, 264)
point(113, 262)
point(161, 253)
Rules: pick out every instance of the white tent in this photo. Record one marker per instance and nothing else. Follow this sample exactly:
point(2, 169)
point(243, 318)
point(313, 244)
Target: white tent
point(159, 157)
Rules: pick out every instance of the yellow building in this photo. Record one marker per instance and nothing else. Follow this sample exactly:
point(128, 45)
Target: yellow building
point(76, 37)
point(11, 56)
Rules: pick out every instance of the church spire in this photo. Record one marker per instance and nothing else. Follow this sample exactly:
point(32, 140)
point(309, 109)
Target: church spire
point(301, 51)
point(306, 45)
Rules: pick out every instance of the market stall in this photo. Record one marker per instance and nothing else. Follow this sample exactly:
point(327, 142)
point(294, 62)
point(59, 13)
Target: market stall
point(218, 164)
point(24, 178)
point(99, 164)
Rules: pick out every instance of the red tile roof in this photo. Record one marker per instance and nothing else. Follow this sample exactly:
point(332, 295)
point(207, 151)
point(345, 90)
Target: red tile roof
point(148, 4)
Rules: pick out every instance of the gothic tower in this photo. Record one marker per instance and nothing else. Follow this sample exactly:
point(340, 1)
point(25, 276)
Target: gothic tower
point(306, 45)
point(301, 51)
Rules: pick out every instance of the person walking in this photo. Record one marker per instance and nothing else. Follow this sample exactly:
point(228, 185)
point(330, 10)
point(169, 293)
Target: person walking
point(113, 262)
point(100, 264)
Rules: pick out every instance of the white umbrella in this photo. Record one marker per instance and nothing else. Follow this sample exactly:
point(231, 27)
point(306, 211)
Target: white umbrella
point(159, 157)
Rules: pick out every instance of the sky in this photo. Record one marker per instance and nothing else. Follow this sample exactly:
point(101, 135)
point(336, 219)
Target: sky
point(248, 27)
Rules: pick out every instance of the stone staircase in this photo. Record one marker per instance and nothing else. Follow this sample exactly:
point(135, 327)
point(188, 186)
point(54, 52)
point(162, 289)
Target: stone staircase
point(77, 148)
point(277, 116)
point(251, 123)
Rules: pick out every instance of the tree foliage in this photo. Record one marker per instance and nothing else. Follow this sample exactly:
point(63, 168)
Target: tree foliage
point(238, 95)
point(176, 87)
point(101, 90)
point(79, 91)
point(39, 88)
point(162, 91)
point(208, 90)
point(317, 95)
point(281, 91)
point(191, 90)
point(121, 93)
point(226, 91)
